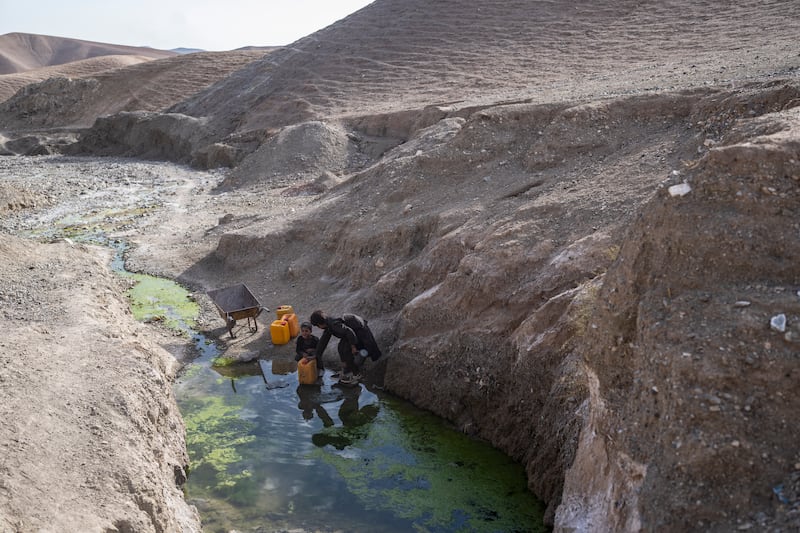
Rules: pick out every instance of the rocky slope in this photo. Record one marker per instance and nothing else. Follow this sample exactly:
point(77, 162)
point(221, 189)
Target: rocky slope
point(51, 105)
point(393, 57)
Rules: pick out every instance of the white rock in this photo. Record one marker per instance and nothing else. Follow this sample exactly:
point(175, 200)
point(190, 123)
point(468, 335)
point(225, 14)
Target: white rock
point(778, 323)
point(680, 189)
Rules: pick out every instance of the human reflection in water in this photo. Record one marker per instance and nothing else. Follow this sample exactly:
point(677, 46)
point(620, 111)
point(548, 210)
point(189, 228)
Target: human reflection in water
point(311, 401)
point(355, 421)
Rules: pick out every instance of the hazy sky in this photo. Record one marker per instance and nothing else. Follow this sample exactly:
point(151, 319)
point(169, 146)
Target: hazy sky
point(167, 24)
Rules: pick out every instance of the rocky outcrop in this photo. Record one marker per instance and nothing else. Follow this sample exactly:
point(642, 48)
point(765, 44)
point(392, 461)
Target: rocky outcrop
point(691, 376)
point(148, 135)
point(294, 153)
point(52, 102)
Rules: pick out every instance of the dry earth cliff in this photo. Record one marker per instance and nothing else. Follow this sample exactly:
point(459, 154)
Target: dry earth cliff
point(573, 226)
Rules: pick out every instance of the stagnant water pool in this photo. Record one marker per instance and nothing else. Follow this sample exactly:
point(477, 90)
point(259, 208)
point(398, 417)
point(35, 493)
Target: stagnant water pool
point(266, 451)
point(268, 454)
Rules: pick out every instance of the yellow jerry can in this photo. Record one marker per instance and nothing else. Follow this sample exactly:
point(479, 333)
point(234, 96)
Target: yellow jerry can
point(294, 324)
point(284, 310)
point(279, 331)
point(307, 371)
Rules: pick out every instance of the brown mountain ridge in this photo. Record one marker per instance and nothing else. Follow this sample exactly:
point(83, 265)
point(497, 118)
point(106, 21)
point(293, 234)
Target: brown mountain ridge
point(20, 52)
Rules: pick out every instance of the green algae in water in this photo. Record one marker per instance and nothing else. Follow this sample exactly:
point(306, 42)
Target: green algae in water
point(215, 434)
point(349, 459)
point(223, 361)
point(435, 477)
point(155, 298)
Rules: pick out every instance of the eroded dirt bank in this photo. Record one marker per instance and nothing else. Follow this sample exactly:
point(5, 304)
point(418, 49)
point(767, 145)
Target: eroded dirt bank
point(90, 434)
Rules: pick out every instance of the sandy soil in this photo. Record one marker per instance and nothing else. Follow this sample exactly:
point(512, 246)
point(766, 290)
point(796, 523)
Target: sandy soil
point(571, 227)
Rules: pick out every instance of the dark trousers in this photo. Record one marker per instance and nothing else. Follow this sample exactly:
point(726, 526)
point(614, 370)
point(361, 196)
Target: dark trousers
point(346, 356)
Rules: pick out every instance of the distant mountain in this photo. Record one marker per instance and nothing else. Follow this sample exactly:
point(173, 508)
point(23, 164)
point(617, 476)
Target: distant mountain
point(186, 50)
point(263, 48)
point(241, 49)
point(20, 52)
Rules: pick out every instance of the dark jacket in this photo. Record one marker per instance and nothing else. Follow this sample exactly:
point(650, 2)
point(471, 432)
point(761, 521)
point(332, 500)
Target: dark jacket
point(352, 330)
point(304, 344)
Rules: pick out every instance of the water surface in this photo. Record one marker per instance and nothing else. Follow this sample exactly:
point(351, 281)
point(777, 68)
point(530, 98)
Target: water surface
point(269, 453)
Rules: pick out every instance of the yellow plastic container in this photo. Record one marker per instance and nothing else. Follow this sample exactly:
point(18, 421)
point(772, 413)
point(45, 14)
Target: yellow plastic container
point(294, 324)
point(279, 330)
point(284, 310)
point(307, 371)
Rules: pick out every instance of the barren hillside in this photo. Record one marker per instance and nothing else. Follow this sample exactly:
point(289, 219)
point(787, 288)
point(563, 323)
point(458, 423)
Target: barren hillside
point(449, 57)
point(11, 83)
point(574, 228)
point(72, 96)
point(394, 56)
point(25, 51)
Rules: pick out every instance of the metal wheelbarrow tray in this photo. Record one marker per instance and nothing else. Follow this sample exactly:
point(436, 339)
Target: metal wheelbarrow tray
point(236, 303)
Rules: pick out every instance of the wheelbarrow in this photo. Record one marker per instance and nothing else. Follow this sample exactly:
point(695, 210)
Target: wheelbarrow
point(237, 303)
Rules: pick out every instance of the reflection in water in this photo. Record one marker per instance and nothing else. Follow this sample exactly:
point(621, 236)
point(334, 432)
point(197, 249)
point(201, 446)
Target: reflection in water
point(283, 367)
point(252, 368)
point(322, 457)
point(353, 419)
point(240, 370)
point(311, 400)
